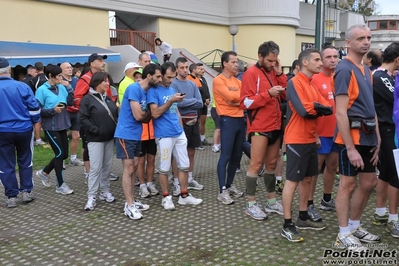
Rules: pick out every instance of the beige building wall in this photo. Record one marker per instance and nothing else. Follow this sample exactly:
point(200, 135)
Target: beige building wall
point(299, 40)
point(195, 37)
point(249, 38)
point(42, 22)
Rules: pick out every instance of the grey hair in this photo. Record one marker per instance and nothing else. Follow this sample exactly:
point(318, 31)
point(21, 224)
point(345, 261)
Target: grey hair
point(349, 32)
point(5, 70)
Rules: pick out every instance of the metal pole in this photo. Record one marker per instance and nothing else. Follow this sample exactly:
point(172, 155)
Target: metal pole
point(234, 45)
point(318, 24)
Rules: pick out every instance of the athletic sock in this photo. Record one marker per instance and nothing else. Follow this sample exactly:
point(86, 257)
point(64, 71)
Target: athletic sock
point(344, 231)
point(148, 183)
point(310, 202)
point(251, 203)
point(176, 181)
point(381, 211)
point(183, 193)
point(303, 215)
point(190, 177)
point(287, 223)
point(278, 178)
point(142, 185)
point(353, 224)
point(271, 201)
point(73, 157)
point(202, 137)
point(327, 197)
point(393, 217)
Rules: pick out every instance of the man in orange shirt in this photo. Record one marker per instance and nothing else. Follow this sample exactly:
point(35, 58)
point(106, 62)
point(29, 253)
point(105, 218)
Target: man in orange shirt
point(226, 92)
point(263, 87)
point(305, 105)
point(325, 130)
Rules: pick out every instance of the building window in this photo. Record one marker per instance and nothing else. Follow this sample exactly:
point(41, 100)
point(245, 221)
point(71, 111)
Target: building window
point(392, 25)
point(383, 25)
point(373, 25)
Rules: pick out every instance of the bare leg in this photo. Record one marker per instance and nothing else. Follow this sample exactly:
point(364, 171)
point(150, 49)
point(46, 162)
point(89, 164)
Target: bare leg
point(288, 196)
point(303, 192)
point(163, 182)
point(128, 179)
point(367, 182)
point(150, 167)
point(347, 185)
point(191, 154)
point(381, 193)
point(74, 141)
point(141, 170)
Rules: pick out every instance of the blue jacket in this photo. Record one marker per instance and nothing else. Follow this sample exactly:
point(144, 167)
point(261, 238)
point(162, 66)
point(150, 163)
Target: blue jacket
point(19, 109)
point(49, 97)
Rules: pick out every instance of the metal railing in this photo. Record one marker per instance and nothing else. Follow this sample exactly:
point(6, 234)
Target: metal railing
point(141, 40)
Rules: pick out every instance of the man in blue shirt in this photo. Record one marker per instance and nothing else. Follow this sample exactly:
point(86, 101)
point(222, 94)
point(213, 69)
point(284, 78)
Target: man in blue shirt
point(19, 112)
point(128, 135)
point(170, 136)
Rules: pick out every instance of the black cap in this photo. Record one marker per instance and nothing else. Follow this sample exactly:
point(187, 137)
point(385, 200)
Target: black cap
point(3, 62)
point(96, 56)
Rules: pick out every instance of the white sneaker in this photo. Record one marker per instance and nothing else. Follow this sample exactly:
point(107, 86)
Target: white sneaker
point(167, 203)
point(225, 198)
point(40, 142)
point(137, 182)
point(91, 203)
point(152, 189)
point(234, 191)
point(64, 189)
point(189, 200)
point(349, 242)
point(176, 190)
point(76, 162)
point(364, 236)
point(194, 185)
point(132, 212)
point(45, 178)
point(107, 196)
point(140, 206)
point(144, 193)
point(215, 149)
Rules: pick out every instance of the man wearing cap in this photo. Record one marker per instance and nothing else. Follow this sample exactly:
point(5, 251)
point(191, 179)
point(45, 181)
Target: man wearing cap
point(129, 71)
point(19, 111)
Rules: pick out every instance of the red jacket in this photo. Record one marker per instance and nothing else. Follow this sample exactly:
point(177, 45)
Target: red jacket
point(255, 98)
point(82, 88)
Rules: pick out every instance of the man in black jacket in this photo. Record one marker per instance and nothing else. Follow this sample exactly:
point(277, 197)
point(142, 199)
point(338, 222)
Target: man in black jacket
point(206, 99)
point(388, 183)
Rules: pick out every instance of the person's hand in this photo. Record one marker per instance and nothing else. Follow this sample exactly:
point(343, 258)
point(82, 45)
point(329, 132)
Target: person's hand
point(318, 142)
point(275, 91)
point(375, 151)
point(65, 83)
point(277, 68)
point(355, 159)
point(177, 97)
point(58, 108)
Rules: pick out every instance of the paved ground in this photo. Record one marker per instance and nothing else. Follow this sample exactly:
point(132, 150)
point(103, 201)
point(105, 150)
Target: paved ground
point(55, 230)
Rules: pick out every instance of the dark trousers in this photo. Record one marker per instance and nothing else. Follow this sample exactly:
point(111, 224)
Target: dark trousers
point(21, 144)
point(59, 143)
point(231, 137)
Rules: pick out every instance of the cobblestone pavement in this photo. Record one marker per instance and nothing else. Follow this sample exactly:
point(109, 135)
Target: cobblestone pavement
point(55, 230)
